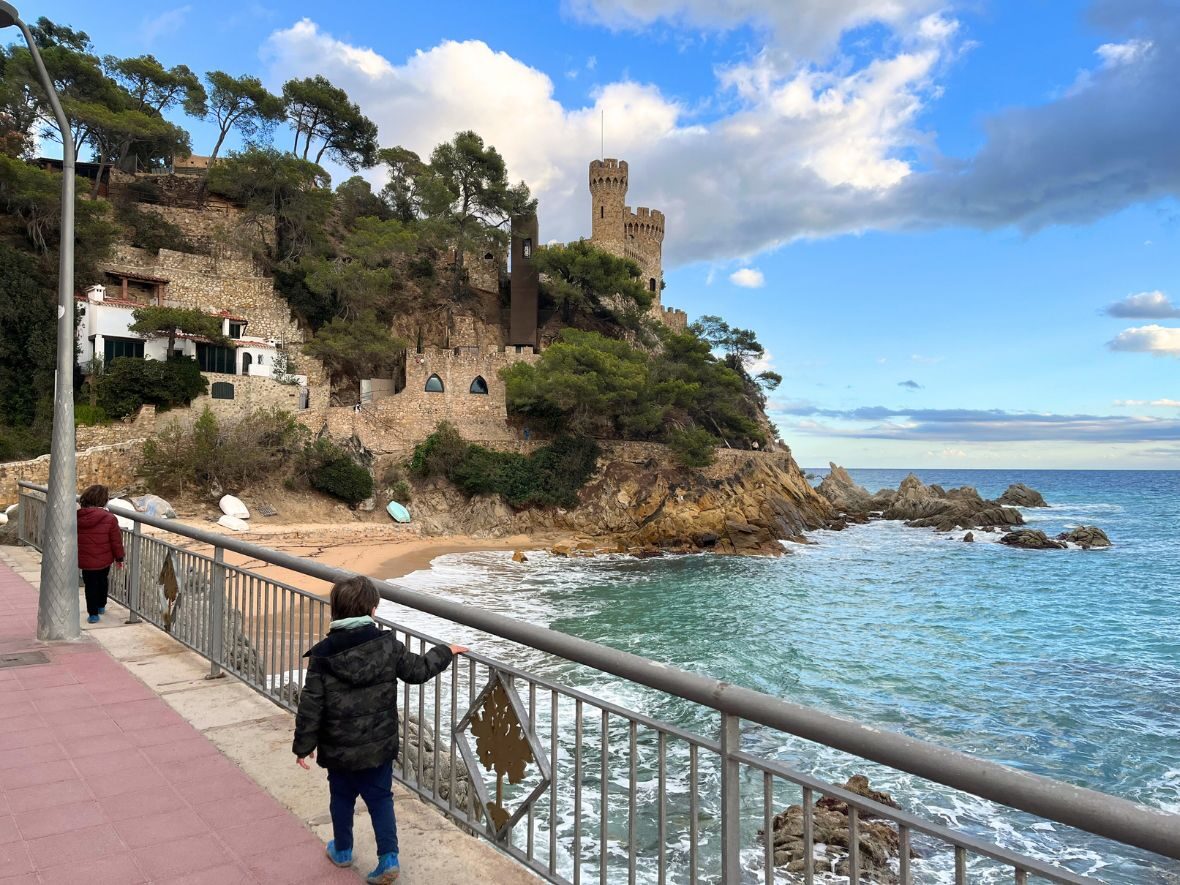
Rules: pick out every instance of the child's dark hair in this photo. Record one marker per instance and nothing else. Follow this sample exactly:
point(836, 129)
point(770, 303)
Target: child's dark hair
point(94, 496)
point(353, 598)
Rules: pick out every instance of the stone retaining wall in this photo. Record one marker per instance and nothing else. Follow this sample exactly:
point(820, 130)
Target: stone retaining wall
point(112, 466)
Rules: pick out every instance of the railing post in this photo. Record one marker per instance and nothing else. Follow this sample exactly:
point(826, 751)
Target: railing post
point(21, 497)
point(731, 869)
point(217, 614)
point(135, 565)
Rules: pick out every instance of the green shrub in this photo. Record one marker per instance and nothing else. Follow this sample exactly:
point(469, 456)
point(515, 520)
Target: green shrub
point(332, 470)
point(550, 477)
point(401, 491)
point(221, 457)
point(128, 383)
point(152, 231)
point(694, 447)
point(86, 415)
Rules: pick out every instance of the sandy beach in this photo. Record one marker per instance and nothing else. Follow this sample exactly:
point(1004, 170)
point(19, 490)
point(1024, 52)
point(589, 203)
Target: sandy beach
point(379, 551)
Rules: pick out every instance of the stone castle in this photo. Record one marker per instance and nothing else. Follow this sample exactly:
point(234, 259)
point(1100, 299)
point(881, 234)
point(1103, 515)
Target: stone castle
point(637, 234)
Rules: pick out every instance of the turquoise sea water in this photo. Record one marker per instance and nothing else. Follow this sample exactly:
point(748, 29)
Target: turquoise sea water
point(1065, 663)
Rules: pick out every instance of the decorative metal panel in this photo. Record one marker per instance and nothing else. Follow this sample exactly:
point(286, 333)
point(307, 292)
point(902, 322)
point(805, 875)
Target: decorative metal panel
point(505, 744)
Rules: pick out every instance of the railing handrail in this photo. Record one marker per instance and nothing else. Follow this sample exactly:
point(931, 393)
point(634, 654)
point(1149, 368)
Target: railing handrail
point(1100, 814)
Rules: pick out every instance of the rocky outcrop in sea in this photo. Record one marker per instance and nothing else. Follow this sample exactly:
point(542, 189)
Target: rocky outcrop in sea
point(1087, 537)
point(878, 841)
point(924, 506)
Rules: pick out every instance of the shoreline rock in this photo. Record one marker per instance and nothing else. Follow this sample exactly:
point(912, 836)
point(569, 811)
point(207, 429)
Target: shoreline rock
point(1020, 495)
point(1031, 539)
point(1086, 536)
point(879, 841)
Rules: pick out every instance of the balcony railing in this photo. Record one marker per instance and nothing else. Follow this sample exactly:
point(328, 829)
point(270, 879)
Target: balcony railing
point(610, 794)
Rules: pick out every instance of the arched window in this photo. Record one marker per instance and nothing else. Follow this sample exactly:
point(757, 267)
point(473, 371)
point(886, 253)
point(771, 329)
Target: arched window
point(247, 359)
point(479, 385)
point(651, 284)
point(221, 390)
point(488, 256)
point(434, 384)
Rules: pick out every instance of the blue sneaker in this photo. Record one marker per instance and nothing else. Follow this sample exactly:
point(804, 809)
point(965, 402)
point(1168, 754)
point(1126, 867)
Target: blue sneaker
point(340, 858)
point(93, 619)
point(386, 872)
point(103, 610)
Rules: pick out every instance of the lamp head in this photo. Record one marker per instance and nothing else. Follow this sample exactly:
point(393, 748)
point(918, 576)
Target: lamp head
point(8, 15)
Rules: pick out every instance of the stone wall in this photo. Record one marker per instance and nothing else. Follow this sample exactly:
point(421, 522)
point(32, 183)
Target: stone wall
point(214, 284)
point(112, 466)
point(139, 426)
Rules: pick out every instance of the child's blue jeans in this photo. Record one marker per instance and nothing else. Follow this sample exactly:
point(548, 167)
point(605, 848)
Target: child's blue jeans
point(375, 786)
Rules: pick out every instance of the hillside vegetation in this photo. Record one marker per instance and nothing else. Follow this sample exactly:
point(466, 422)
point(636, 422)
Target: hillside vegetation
point(353, 263)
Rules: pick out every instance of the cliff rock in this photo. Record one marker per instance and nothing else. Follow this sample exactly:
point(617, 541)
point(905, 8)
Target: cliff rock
point(639, 500)
point(1086, 537)
point(879, 841)
point(1031, 539)
point(1020, 495)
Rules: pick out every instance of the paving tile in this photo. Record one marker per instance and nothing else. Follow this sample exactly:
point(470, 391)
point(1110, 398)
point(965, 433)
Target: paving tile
point(167, 735)
point(34, 755)
point(118, 869)
point(22, 723)
point(275, 832)
point(292, 865)
point(138, 803)
point(163, 718)
point(61, 697)
point(8, 829)
point(17, 707)
point(182, 856)
point(222, 787)
point(201, 768)
point(112, 783)
point(48, 795)
point(14, 861)
point(75, 847)
point(84, 714)
point(108, 747)
point(156, 829)
point(237, 811)
point(227, 874)
point(45, 676)
point(181, 750)
point(59, 819)
point(37, 773)
point(67, 731)
point(16, 740)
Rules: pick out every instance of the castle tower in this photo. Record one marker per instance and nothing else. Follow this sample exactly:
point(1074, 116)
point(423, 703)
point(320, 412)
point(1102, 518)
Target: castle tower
point(637, 235)
point(608, 192)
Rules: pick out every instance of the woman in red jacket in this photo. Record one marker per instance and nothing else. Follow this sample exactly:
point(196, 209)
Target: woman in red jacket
point(100, 542)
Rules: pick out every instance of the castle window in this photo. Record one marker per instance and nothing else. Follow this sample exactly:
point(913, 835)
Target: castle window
point(602, 211)
point(651, 284)
point(434, 384)
point(479, 385)
point(221, 390)
point(527, 248)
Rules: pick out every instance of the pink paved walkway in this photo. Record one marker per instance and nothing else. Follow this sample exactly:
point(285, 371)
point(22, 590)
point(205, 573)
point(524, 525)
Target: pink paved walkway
point(102, 782)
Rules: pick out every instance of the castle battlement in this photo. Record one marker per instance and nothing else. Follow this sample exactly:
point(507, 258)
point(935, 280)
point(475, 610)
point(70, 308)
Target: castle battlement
point(608, 175)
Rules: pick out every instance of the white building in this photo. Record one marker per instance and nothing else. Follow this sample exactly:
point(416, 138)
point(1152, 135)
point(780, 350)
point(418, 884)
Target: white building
point(104, 333)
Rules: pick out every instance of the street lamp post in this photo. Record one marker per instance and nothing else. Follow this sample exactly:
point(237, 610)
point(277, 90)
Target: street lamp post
point(57, 610)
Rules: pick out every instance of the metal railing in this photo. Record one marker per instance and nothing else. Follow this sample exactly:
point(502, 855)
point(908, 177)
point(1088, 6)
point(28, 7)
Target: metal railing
point(630, 797)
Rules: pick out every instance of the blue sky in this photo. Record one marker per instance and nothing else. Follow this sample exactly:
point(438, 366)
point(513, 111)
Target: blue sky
point(932, 205)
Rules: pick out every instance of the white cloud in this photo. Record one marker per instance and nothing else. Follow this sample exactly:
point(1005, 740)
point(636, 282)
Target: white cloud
point(1158, 403)
point(748, 278)
point(926, 360)
point(808, 152)
point(756, 365)
point(165, 23)
point(1144, 305)
point(805, 28)
point(1113, 54)
point(1154, 339)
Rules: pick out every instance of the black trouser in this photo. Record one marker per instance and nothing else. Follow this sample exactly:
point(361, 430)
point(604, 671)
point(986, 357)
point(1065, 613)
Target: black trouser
point(95, 580)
